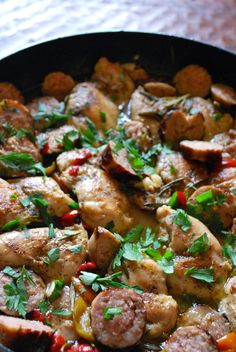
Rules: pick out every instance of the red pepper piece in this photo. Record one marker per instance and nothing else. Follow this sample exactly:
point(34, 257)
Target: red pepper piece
point(39, 316)
point(45, 149)
point(181, 197)
point(87, 266)
point(57, 342)
point(228, 163)
point(74, 171)
point(68, 218)
point(81, 347)
point(84, 155)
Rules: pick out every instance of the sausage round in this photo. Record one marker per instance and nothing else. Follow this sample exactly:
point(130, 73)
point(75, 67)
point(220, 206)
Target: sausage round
point(190, 339)
point(121, 330)
point(202, 151)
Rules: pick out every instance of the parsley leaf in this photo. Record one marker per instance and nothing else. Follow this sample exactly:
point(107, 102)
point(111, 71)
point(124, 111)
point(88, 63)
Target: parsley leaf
point(55, 290)
point(166, 261)
point(52, 256)
point(76, 248)
point(200, 245)
point(181, 219)
point(69, 140)
point(51, 232)
point(55, 117)
point(205, 275)
point(110, 312)
point(11, 225)
point(22, 162)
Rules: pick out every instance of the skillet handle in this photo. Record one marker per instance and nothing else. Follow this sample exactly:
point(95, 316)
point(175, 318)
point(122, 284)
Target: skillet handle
point(4, 348)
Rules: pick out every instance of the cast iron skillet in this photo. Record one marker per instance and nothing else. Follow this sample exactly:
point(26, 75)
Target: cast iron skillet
point(161, 55)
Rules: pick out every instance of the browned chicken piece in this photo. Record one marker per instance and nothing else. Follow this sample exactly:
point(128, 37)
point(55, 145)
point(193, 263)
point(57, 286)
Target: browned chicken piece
point(180, 241)
point(113, 80)
point(186, 339)
point(207, 319)
point(215, 122)
point(58, 85)
point(43, 105)
point(24, 335)
point(225, 179)
point(116, 162)
point(160, 89)
point(146, 274)
point(230, 285)
point(79, 122)
point(145, 110)
point(227, 307)
point(176, 125)
point(58, 201)
point(99, 195)
point(11, 207)
point(141, 133)
point(223, 206)
point(102, 247)
point(64, 324)
point(55, 138)
point(209, 152)
point(86, 100)
point(224, 94)
point(171, 166)
point(35, 291)
point(161, 314)
point(228, 142)
point(233, 229)
point(9, 91)
point(137, 73)
point(51, 258)
point(193, 80)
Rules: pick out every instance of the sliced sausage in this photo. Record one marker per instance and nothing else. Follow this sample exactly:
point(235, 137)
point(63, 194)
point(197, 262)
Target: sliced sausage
point(123, 330)
point(190, 339)
point(223, 94)
point(207, 319)
point(161, 313)
point(58, 85)
point(202, 151)
point(193, 80)
point(160, 89)
point(176, 125)
point(116, 163)
point(35, 292)
point(24, 335)
point(228, 142)
point(102, 247)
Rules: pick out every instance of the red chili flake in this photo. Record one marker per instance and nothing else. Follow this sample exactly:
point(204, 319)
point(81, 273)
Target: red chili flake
point(181, 197)
point(68, 218)
point(228, 163)
point(81, 347)
point(37, 315)
point(84, 155)
point(74, 171)
point(45, 149)
point(87, 266)
point(57, 342)
point(87, 227)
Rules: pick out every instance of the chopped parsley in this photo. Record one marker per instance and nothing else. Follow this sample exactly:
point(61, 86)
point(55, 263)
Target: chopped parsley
point(55, 290)
point(52, 256)
point(70, 139)
point(200, 245)
point(111, 312)
point(76, 248)
point(51, 232)
point(217, 116)
point(103, 116)
point(74, 205)
point(55, 117)
point(11, 225)
point(229, 247)
point(22, 162)
point(205, 275)
point(181, 219)
point(166, 261)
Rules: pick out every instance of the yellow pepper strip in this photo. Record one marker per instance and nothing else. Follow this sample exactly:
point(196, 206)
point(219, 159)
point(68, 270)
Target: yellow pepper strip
point(81, 318)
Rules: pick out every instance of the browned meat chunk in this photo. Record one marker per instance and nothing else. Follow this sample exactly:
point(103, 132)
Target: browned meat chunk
point(58, 85)
point(123, 329)
point(55, 139)
point(176, 125)
point(140, 133)
point(160, 89)
point(9, 91)
point(113, 80)
point(223, 94)
point(220, 205)
point(116, 163)
point(102, 247)
point(161, 314)
point(34, 252)
point(228, 142)
point(35, 291)
point(24, 335)
point(193, 80)
point(202, 151)
point(86, 100)
point(41, 107)
point(190, 339)
point(207, 319)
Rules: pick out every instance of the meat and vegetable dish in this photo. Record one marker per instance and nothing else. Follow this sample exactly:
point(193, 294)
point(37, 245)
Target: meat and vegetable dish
point(118, 213)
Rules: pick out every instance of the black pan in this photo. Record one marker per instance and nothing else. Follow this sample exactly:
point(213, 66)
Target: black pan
point(161, 55)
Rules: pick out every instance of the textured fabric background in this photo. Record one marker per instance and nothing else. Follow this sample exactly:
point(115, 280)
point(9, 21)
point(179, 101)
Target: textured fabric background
point(25, 22)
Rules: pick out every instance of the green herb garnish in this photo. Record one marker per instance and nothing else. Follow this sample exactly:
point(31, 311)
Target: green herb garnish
point(111, 312)
point(200, 245)
point(181, 219)
point(205, 275)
